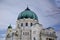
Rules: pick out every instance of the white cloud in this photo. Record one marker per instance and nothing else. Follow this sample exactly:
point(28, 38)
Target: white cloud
point(10, 9)
point(2, 36)
point(58, 3)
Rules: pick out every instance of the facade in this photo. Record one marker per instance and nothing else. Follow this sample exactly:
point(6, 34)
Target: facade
point(29, 28)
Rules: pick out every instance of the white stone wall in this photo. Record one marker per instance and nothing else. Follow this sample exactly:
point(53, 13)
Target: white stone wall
point(28, 32)
point(25, 28)
point(24, 21)
point(45, 37)
point(36, 31)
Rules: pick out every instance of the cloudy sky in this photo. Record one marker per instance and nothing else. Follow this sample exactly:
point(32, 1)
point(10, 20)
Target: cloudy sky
point(46, 10)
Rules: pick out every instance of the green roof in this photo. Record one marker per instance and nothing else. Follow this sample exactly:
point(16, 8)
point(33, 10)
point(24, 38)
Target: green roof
point(9, 26)
point(27, 13)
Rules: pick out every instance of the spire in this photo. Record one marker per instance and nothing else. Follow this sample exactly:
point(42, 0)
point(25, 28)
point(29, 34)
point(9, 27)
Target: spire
point(27, 8)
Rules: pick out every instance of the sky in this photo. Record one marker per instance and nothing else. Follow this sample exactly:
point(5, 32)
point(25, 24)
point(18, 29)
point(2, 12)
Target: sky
point(46, 11)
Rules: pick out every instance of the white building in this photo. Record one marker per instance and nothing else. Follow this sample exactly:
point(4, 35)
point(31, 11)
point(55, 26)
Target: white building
point(29, 28)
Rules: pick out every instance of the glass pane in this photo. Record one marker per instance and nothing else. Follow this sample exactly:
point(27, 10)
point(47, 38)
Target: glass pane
point(21, 24)
point(26, 24)
point(31, 24)
point(25, 33)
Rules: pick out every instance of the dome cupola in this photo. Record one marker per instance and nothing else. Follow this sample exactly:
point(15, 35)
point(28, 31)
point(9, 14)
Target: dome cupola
point(27, 13)
point(10, 27)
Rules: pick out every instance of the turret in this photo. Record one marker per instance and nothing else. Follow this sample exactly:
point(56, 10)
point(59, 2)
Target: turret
point(9, 33)
point(9, 28)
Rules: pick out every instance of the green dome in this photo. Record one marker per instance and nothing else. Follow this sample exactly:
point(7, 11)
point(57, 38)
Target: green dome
point(27, 14)
point(9, 26)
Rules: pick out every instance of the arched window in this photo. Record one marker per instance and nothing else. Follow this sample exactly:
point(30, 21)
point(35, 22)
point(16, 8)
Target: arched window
point(26, 24)
point(31, 24)
point(21, 24)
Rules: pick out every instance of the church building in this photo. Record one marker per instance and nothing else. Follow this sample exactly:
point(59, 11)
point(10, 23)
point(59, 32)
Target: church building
point(29, 28)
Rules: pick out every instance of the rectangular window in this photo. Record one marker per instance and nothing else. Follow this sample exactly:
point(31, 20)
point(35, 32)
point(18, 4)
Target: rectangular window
point(26, 24)
point(25, 33)
point(21, 24)
point(31, 24)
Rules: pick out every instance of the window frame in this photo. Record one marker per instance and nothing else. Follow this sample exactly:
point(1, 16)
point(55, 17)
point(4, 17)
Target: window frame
point(31, 24)
point(26, 24)
point(21, 24)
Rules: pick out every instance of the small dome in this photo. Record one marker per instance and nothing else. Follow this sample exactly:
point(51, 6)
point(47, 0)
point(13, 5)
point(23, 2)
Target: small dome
point(27, 13)
point(9, 26)
point(50, 28)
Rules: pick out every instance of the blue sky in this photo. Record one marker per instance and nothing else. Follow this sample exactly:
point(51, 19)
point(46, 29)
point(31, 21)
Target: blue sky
point(45, 10)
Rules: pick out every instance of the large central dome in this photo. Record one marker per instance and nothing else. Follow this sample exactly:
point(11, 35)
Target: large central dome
point(27, 13)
